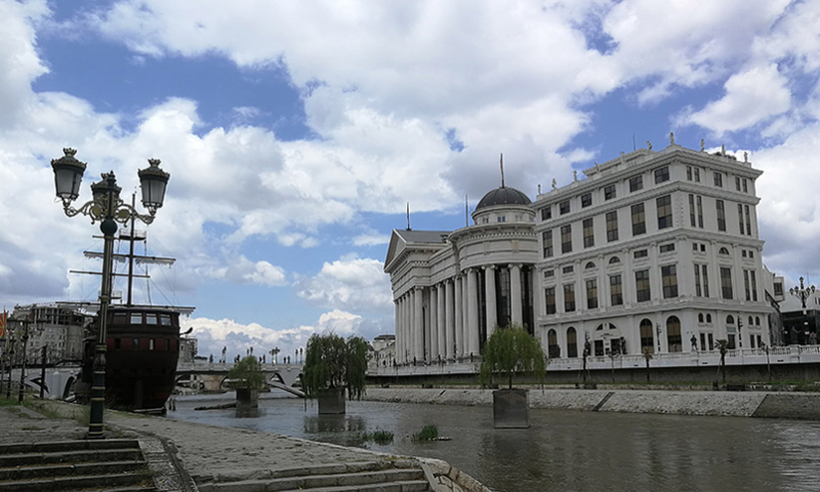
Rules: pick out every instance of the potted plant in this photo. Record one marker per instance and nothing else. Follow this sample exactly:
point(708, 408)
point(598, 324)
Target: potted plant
point(508, 352)
point(247, 378)
point(334, 366)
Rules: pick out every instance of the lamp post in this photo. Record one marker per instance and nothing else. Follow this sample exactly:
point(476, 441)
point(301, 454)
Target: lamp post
point(803, 293)
point(107, 208)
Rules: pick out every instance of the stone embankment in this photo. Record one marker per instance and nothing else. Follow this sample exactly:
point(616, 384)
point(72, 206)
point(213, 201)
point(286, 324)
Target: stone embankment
point(714, 403)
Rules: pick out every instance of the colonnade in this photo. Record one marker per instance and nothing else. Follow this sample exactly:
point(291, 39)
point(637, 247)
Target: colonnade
point(441, 322)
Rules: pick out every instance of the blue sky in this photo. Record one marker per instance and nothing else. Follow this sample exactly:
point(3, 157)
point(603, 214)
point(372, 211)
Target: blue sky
point(296, 133)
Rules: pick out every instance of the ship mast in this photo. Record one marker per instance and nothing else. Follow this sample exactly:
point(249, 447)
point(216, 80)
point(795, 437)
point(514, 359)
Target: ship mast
point(131, 252)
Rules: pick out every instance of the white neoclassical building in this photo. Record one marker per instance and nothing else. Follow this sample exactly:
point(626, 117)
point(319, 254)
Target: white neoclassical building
point(653, 251)
point(451, 289)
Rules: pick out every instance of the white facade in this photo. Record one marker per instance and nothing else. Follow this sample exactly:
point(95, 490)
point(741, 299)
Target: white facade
point(654, 251)
point(451, 289)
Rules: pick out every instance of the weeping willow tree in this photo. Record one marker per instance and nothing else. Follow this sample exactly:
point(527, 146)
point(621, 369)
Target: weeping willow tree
point(247, 374)
point(332, 362)
point(511, 351)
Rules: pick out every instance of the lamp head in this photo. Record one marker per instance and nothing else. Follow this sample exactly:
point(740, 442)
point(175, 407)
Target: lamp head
point(68, 174)
point(153, 181)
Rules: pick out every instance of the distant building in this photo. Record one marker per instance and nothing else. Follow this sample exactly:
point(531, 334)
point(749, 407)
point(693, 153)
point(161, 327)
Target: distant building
point(61, 330)
point(654, 251)
point(188, 349)
point(384, 351)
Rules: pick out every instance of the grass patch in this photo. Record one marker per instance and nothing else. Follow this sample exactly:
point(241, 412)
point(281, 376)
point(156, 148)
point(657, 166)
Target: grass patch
point(428, 433)
point(8, 402)
point(379, 436)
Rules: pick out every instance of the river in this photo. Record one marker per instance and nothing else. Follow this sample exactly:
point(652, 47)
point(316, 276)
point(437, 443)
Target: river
point(563, 450)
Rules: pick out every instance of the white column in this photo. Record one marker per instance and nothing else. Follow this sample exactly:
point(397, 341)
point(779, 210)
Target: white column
point(400, 333)
point(515, 294)
point(432, 356)
point(441, 323)
point(459, 317)
point(397, 321)
point(450, 319)
point(472, 312)
point(411, 325)
point(489, 294)
point(405, 329)
point(418, 323)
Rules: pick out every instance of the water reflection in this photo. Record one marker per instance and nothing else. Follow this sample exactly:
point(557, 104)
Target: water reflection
point(565, 450)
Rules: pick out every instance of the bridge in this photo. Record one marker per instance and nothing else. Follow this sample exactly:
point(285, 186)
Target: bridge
point(212, 376)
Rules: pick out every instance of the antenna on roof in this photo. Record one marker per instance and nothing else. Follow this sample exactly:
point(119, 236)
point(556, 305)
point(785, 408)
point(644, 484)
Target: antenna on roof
point(634, 148)
point(502, 169)
point(408, 217)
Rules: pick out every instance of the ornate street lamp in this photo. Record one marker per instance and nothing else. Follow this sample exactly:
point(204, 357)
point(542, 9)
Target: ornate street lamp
point(803, 293)
point(107, 208)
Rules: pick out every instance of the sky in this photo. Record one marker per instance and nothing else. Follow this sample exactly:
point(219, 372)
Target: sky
point(297, 133)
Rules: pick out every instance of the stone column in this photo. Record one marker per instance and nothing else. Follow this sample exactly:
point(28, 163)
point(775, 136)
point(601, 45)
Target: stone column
point(515, 294)
point(472, 312)
point(418, 323)
point(489, 293)
point(432, 356)
point(441, 323)
point(459, 317)
point(449, 319)
point(397, 321)
point(401, 338)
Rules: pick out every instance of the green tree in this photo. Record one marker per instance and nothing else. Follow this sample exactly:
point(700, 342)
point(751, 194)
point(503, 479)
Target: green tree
point(509, 351)
point(247, 373)
point(331, 362)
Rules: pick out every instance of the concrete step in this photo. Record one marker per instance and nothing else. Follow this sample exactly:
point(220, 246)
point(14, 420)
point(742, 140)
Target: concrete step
point(405, 486)
point(69, 469)
point(318, 482)
point(77, 483)
point(64, 446)
point(80, 456)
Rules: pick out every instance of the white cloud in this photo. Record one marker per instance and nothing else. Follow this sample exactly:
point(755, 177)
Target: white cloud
point(751, 96)
point(357, 284)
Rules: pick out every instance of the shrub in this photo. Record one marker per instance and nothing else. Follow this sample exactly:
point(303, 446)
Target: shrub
point(428, 433)
point(331, 362)
point(509, 351)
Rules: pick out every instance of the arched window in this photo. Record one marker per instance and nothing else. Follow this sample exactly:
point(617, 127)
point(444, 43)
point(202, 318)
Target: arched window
point(700, 317)
point(572, 342)
point(612, 326)
point(647, 337)
point(751, 321)
point(553, 350)
point(589, 265)
point(614, 260)
point(708, 318)
point(730, 320)
point(757, 320)
point(673, 337)
point(600, 327)
point(723, 251)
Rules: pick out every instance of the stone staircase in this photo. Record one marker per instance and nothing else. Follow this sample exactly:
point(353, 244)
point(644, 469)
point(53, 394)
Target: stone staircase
point(112, 465)
point(376, 476)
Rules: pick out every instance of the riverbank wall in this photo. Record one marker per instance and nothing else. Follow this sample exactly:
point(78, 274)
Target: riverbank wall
point(805, 406)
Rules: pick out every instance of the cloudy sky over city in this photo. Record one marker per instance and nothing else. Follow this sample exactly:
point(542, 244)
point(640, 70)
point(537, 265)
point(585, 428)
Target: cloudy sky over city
point(296, 133)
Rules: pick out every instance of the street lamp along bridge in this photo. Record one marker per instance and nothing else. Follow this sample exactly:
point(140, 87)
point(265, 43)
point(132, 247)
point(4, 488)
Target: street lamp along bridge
point(107, 208)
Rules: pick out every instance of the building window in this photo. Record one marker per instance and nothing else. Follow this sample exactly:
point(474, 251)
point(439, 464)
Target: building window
point(569, 298)
point(740, 218)
point(748, 221)
point(746, 285)
point(778, 289)
point(568, 269)
point(745, 186)
point(726, 282)
point(553, 349)
point(638, 220)
point(136, 318)
point(589, 234)
point(546, 213)
point(614, 260)
point(750, 283)
point(647, 337)
point(563, 207)
point(669, 279)
point(642, 292)
point(566, 238)
point(502, 218)
point(754, 285)
point(609, 192)
point(667, 248)
point(664, 205)
point(615, 290)
point(700, 211)
point(673, 335)
point(549, 273)
point(737, 183)
point(701, 281)
point(723, 251)
point(719, 180)
point(549, 296)
point(586, 200)
point(641, 253)
point(692, 210)
point(661, 174)
point(546, 238)
point(572, 342)
point(592, 293)
point(697, 175)
point(689, 173)
point(612, 226)
point(721, 215)
point(635, 183)
point(589, 266)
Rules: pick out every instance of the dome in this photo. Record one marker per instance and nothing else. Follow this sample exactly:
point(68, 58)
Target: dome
point(503, 196)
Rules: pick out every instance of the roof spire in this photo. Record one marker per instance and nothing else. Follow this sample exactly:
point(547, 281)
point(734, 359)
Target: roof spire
point(408, 217)
point(502, 170)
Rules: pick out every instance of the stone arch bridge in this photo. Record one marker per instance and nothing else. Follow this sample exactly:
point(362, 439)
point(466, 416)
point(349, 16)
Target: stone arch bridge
point(210, 376)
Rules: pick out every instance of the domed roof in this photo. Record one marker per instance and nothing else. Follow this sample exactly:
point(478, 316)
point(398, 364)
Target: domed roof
point(503, 196)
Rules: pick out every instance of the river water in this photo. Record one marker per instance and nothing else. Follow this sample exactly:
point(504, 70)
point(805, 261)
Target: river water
point(563, 450)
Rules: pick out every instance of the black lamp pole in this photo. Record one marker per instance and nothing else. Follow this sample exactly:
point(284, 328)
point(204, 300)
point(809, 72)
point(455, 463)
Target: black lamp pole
point(803, 293)
point(106, 207)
